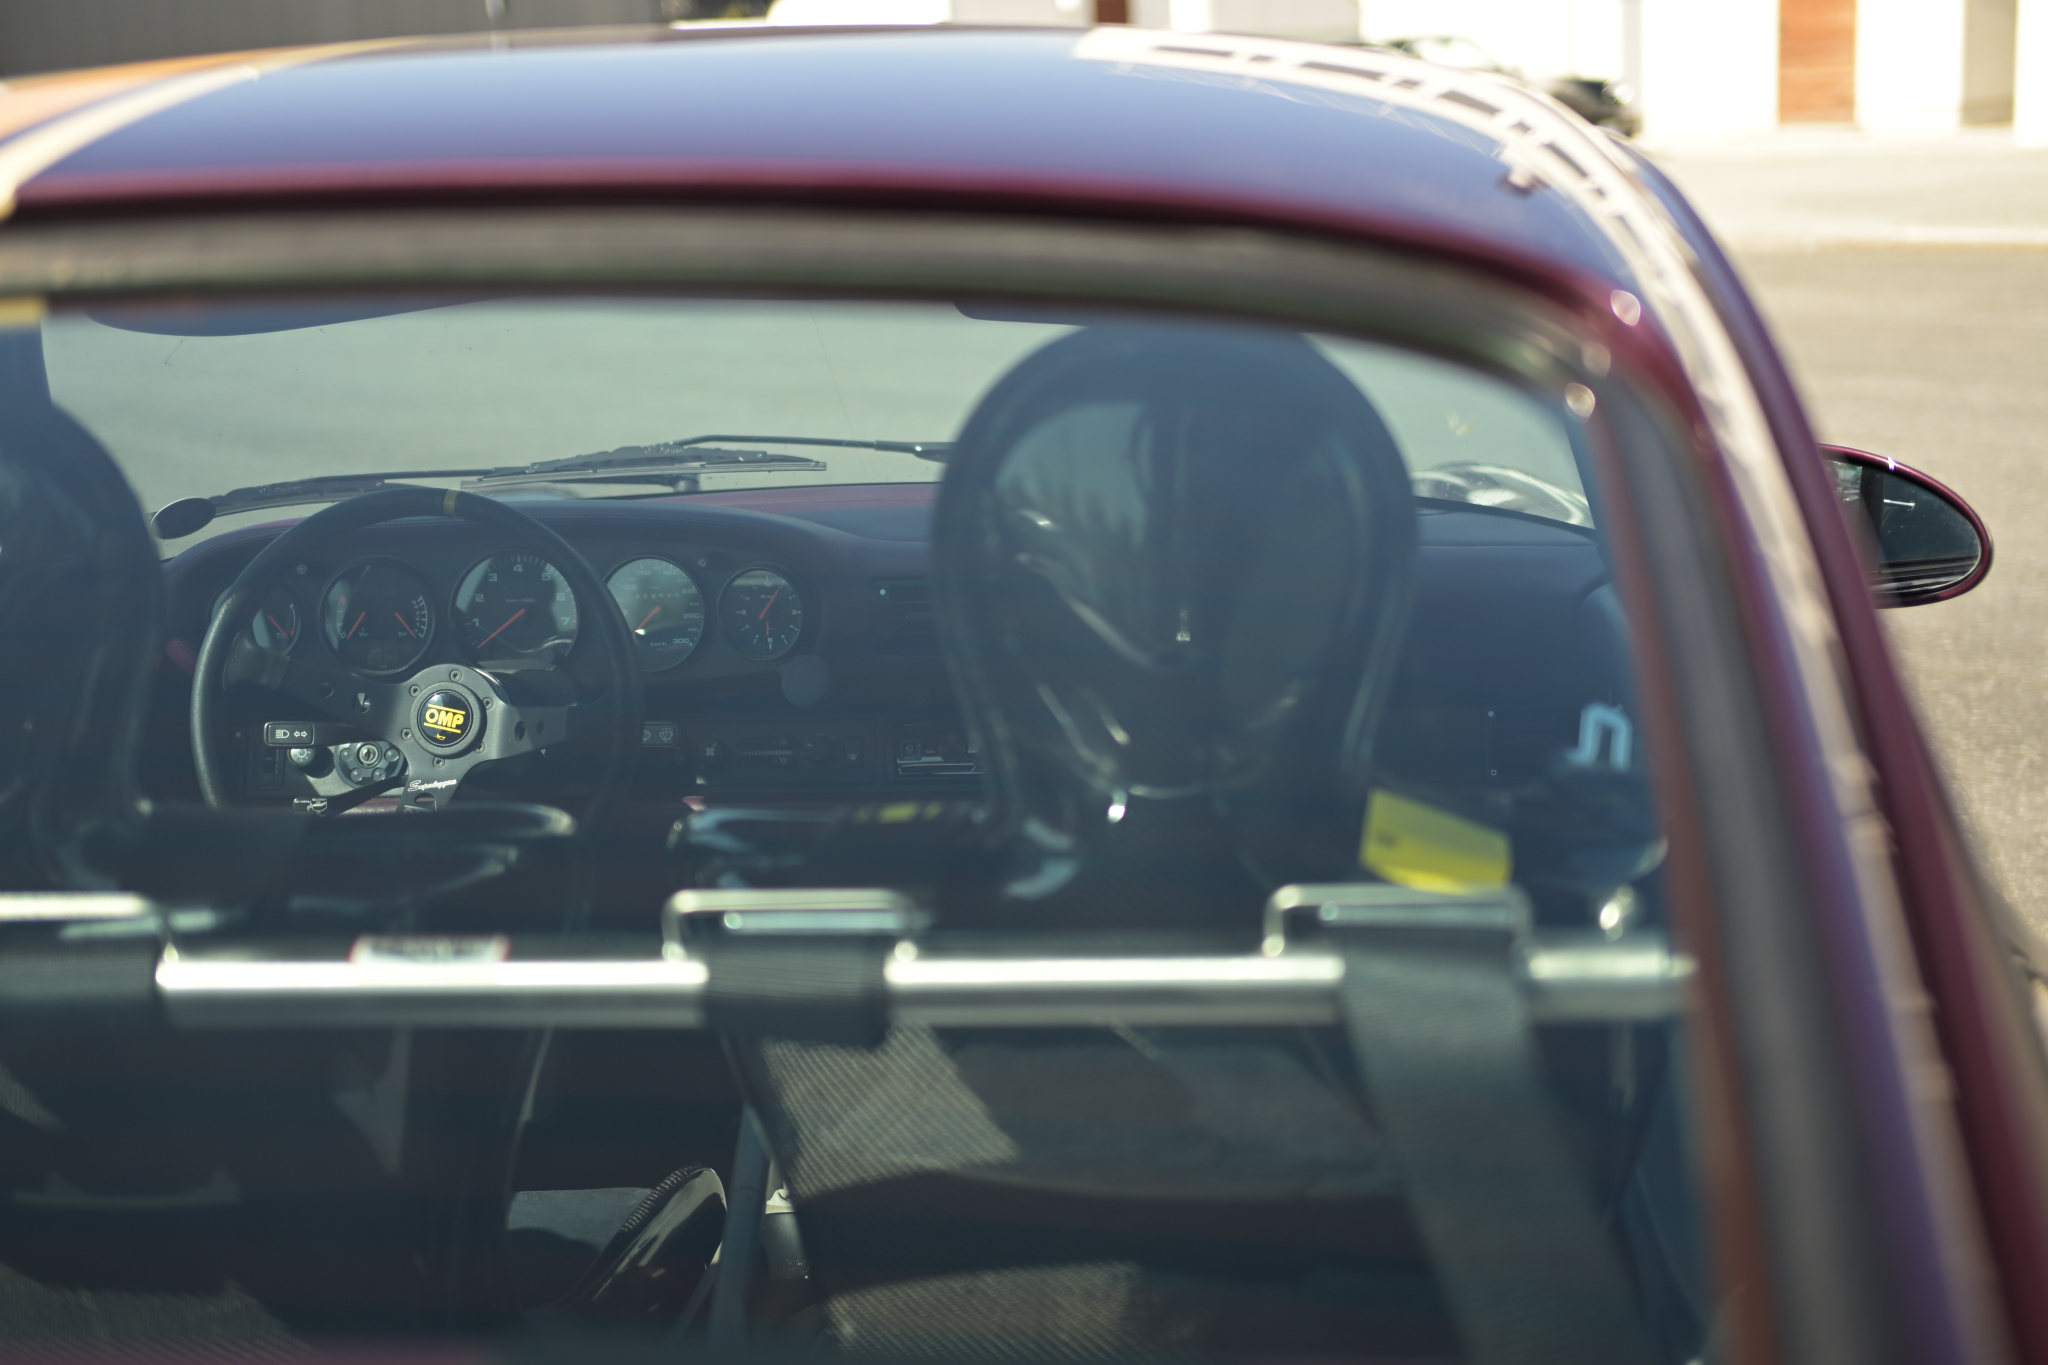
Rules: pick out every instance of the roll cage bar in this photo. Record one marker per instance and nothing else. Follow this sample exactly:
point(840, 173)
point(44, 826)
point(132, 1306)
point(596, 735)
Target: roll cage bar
point(828, 964)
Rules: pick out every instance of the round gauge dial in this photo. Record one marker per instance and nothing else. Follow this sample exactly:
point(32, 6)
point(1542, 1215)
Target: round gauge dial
point(516, 606)
point(763, 614)
point(663, 609)
point(377, 617)
point(275, 623)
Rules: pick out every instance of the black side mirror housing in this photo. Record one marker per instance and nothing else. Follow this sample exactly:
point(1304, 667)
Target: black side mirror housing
point(1926, 544)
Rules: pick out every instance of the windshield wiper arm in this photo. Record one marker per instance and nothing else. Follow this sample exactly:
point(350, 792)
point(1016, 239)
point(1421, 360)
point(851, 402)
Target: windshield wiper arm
point(680, 464)
point(677, 463)
point(696, 448)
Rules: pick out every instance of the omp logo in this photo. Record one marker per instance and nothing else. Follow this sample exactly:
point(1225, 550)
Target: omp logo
point(446, 718)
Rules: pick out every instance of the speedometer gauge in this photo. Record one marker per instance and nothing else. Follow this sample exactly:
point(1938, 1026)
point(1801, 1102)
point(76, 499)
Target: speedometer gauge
point(514, 607)
point(376, 617)
point(664, 611)
point(763, 614)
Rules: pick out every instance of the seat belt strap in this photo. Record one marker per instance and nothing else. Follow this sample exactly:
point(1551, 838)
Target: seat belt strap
point(1440, 1031)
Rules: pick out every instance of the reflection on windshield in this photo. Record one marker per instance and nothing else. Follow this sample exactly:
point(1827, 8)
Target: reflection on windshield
point(521, 382)
point(1510, 490)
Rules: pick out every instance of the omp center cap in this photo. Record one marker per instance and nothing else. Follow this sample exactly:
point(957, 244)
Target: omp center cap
point(448, 718)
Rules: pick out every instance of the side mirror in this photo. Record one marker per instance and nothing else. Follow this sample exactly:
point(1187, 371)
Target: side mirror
point(1926, 544)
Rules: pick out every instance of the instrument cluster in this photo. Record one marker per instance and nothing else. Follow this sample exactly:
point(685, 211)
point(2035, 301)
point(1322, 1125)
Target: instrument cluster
point(513, 609)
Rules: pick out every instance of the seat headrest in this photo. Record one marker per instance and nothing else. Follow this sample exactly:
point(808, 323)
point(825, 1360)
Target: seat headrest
point(81, 594)
point(1172, 561)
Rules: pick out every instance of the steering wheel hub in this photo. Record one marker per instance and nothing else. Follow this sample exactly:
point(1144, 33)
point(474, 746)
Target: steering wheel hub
point(448, 719)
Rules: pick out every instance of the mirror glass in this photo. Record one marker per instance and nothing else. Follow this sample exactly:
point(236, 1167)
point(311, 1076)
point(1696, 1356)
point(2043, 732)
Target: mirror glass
point(1928, 544)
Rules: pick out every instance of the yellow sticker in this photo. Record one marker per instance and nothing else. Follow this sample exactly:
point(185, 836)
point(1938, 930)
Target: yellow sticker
point(897, 814)
point(1419, 846)
point(24, 310)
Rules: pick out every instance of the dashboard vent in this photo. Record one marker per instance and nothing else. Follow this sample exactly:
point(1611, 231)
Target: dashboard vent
point(903, 615)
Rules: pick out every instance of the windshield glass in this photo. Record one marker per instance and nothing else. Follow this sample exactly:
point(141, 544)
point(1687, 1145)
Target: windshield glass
point(1149, 851)
point(188, 412)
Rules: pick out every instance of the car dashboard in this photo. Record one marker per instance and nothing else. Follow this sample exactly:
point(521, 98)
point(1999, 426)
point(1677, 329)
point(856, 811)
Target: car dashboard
point(842, 695)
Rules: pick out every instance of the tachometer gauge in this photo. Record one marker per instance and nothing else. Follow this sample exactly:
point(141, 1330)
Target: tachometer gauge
point(377, 617)
point(515, 607)
point(763, 614)
point(663, 608)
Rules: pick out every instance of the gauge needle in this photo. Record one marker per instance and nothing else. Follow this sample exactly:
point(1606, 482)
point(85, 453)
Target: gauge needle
point(352, 629)
point(501, 629)
point(408, 629)
point(273, 621)
point(645, 619)
point(771, 602)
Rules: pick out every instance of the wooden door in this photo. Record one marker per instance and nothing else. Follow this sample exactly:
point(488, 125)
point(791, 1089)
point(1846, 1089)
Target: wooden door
point(1816, 61)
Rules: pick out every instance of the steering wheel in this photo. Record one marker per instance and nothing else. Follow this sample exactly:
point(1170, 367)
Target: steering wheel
point(446, 720)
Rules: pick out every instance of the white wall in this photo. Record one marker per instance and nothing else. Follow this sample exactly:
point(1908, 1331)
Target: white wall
point(1930, 66)
point(1700, 68)
point(1909, 65)
point(1056, 12)
point(1323, 21)
point(1540, 38)
point(1709, 69)
point(1988, 61)
point(2030, 76)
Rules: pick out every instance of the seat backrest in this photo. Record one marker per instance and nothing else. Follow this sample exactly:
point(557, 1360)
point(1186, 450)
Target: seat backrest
point(1171, 567)
point(81, 595)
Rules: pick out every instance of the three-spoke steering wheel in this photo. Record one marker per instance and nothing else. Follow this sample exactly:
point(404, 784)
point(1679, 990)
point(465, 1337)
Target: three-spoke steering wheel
point(446, 719)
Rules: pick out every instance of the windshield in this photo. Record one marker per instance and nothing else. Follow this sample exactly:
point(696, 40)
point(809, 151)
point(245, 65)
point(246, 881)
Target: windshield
point(917, 830)
point(475, 386)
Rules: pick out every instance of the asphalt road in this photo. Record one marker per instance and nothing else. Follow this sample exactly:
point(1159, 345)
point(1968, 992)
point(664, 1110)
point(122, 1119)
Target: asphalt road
point(1939, 357)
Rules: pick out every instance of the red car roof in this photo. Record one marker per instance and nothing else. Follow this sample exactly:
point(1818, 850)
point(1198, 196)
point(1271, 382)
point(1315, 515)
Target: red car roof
point(1320, 134)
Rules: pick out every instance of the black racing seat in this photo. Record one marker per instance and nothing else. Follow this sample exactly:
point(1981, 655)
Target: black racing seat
point(1172, 571)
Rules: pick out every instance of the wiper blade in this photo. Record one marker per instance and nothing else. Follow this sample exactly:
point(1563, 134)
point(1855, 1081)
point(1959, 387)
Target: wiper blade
point(680, 464)
point(677, 463)
point(696, 448)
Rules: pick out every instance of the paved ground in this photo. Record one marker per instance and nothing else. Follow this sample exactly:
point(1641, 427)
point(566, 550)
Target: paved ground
point(1936, 354)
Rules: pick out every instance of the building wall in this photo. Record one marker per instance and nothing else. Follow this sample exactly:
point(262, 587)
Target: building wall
point(1709, 69)
point(2030, 75)
point(1988, 39)
point(57, 35)
point(1909, 65)
point(1816, 61)
point(1316, 20)
point(1539, 38)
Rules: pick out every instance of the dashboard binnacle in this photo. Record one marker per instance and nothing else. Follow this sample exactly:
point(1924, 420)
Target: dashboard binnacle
point(788, 651)
point(777, 649)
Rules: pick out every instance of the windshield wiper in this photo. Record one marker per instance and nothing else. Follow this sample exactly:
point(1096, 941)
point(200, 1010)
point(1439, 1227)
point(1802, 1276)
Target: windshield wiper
point(679, 464)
